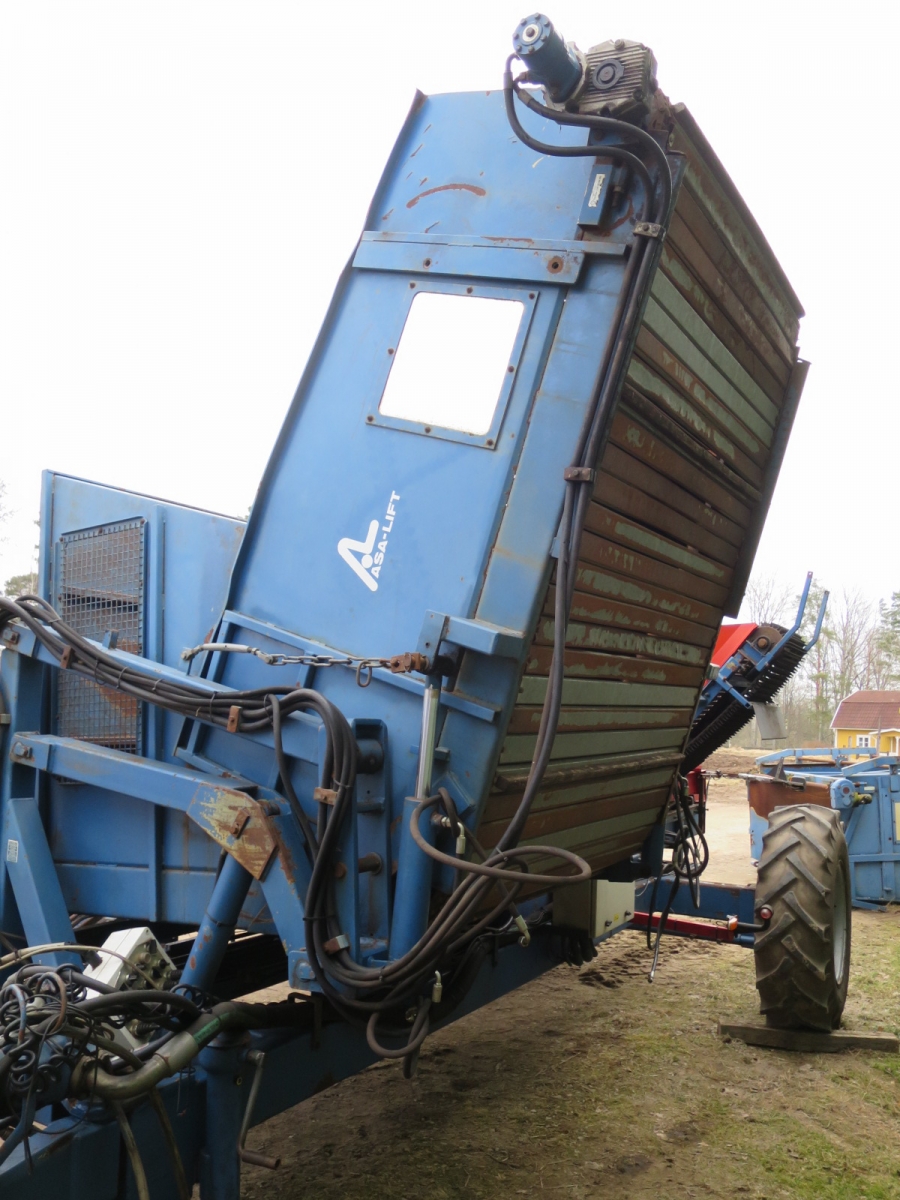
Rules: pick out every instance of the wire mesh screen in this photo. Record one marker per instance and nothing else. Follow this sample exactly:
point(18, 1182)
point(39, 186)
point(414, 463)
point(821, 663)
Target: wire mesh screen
point(100, 592)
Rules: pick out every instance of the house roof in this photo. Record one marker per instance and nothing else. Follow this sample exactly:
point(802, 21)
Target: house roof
point(868, 710)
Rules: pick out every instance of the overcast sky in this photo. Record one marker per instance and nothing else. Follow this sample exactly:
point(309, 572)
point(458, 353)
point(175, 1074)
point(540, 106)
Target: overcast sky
point(182, 183)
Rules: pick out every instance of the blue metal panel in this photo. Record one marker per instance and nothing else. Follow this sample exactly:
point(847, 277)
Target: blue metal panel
point(189, 554)
point(864, 787)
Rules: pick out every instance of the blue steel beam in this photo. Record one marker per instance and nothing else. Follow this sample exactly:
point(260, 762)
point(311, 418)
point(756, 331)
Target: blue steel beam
point(301, 730)
point(35, 884)
point(235, 820)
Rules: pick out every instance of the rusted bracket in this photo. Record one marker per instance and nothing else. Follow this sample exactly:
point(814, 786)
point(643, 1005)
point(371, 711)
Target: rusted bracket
point(649, 229)
point(579, 474)
point(237, 822)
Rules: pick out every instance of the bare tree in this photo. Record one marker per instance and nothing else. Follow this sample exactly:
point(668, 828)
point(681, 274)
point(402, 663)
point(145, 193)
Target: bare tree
point(768, 600)
point(859, 647)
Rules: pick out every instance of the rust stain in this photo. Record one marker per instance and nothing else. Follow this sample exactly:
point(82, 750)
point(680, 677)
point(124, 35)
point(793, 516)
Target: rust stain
point(447, 187)
point(505, 240)
point(286, 858)
point(387, 214)
point(216, 809)
point(766, 796)
point(417, 149)
point(629, 216)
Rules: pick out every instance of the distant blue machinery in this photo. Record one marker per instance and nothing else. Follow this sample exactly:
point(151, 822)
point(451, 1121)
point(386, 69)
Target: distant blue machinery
point(750, 664)
point(452, 657)
point(863, 786)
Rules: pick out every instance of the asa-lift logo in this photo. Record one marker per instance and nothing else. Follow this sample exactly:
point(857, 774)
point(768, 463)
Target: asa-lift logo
point(366, 558)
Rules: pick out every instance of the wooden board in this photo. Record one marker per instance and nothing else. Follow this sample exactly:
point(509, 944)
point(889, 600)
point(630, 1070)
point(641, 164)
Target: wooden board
point(808, 1041)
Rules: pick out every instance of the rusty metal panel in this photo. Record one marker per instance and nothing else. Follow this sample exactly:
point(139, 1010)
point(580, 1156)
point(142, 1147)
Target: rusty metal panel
point(595, 610)
point(622, 590)
point(628, 498)
point(591, 664)
point(659, 375)
point(765, 795)
point(707, 339)
point(641, 535)
point(678, 496)
point(527, 718)
point(743, 337)
point(703, 489)
point(728, 216)
point(670, 588)
point(697, 222)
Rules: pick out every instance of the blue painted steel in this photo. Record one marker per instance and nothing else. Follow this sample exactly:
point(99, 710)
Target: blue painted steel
point(220, 1167)
point(718, 901)
point(864, 787)
point(413, 891)
point(290, 589)
point(548, 58)
point(31, 871)
point(218, 925)
point(79, 1158)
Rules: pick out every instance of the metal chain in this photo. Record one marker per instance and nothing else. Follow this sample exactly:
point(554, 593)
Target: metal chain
point(400, 664)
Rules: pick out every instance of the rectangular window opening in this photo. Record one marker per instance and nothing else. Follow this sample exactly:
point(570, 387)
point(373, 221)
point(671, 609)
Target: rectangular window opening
point(452, 361)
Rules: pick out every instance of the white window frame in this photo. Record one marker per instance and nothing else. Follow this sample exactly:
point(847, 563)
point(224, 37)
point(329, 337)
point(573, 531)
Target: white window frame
point(863, 741)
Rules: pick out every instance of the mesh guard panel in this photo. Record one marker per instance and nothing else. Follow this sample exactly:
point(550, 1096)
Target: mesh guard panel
point(101, 589)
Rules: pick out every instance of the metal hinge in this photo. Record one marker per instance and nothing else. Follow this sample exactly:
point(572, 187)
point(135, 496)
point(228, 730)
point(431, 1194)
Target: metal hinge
point(649, 229)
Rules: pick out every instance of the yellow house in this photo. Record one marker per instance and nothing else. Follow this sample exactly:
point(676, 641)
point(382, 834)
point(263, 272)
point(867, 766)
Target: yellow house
point(868, 719)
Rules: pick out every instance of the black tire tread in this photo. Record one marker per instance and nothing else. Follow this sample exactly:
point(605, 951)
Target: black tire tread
point(804, 860)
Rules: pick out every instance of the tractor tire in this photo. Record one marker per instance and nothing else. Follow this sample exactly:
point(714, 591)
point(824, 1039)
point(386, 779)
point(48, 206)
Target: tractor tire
point(803, 957)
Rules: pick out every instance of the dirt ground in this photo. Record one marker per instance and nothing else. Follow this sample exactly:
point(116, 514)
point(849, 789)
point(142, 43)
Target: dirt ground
point(594, 1083)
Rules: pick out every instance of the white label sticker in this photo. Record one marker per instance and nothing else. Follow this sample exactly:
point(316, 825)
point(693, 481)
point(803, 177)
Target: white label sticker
point(596, 190)
point(12, 850)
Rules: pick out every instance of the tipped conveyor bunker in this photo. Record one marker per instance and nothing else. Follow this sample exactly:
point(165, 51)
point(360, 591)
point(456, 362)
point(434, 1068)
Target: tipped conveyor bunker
point(749, 667)
point(407, 737)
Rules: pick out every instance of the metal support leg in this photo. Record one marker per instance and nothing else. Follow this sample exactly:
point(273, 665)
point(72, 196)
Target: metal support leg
point(414, 867)
point(220, 1175)
point(217, 926)
point(35, 883)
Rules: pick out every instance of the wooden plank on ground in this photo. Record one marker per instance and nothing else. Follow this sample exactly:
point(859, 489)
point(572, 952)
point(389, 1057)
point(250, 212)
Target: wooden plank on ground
point(808, 1041)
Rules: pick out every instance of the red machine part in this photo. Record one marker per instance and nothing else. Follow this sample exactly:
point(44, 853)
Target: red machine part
point(730, 639)
point(708, 931)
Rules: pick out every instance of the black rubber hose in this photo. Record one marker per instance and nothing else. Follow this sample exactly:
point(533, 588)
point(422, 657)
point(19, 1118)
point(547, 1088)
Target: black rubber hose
point(624, 129)
point(592, 150)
